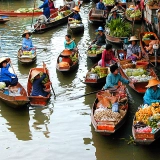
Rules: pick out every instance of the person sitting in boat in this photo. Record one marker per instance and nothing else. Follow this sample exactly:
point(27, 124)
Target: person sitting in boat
point(149, 49)
point(70, 4)
point(69, 43)
point(114, 15)
point(100, 38)
point(37, 85)
point(46, 9)
point(114, 77)
point(27, 42)
point(133, 49)
point(118, 7)
point(76, 15)
point(152, 93)
point(100, 5)
point(107, 57)
point(138, 6)
point(51, 5)
point(5, 75)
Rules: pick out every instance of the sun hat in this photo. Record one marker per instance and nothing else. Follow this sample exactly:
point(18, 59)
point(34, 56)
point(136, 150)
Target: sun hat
point(133, 38)
point(25, 32)
point(34, 73)
point(4, 59)
point(152, 82)
point(76, 8)
point(113, 68)
point(99, 29)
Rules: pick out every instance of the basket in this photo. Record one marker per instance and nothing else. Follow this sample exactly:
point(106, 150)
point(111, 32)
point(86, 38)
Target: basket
point(125, 61)
point(143, 65)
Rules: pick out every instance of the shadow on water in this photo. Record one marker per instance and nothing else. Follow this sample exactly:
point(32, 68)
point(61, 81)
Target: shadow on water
point(17, 121)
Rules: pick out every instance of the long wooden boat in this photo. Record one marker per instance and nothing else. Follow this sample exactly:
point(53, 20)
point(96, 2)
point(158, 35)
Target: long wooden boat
point(3, 18)
point(38, 100)
point(150, 58)
point(97, 16)
point(94, 57)
point(78, 28)
point(93, 79)
point(108, 126)
point(26, 58)
point(43, 27)
point(70, 65)
point(144, 133)
point(15, 14)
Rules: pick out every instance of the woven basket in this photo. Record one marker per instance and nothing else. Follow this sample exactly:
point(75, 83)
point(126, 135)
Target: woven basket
point(125, 61)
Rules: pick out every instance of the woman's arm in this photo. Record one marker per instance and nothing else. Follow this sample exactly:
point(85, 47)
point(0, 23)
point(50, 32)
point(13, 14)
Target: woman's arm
point(103, 58)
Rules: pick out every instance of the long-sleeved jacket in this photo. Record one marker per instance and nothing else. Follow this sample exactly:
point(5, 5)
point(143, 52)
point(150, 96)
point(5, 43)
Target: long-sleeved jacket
point(46, 9)
point(27, 42)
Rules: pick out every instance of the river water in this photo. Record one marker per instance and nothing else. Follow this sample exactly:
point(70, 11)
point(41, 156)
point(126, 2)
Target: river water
point(63, 129)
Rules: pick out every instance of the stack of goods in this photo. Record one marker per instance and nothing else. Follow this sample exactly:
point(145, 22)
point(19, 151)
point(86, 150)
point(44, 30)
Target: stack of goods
point(2, 85)
point(153, 3)
point(99, 71)
point(94, 50)
point(137, 74)
point(27, 10)
point(146, 38)
point(109, 2)
point(74, 58)
point(132, 12)
point(109, 107)
point(62, 14)
point(147, 118)
point(119, 28)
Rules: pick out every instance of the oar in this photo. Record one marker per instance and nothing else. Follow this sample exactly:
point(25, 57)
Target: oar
point(12, 67)
point(110, 89)
point(33, 13)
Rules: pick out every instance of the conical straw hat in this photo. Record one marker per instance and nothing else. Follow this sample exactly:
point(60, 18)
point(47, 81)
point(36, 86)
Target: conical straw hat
point(153, 82)
point(25, 32)
point(4, 59)
point(133, 38)
point(34, 73)
point(76, 8)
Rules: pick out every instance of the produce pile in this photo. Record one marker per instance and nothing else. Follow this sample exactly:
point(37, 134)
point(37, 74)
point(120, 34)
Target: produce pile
point(137, 75)
point(108, 2)
point(130, 12)
point(27, 10)
point(147, 36)
point(119, 28)
point(75, 21)
point(74, 58)
point(2, 85)
point(95, 50)
point(147, 118)
point(97, 70)
point(62, 14)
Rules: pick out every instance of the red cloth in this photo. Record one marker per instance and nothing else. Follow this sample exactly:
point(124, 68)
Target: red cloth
point(107, 56)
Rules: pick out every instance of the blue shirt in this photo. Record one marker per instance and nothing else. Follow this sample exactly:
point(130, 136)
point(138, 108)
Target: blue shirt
point(112, 80)
point(5, 75)
point(70, 46)
point(46, 9)
point(27, 42)
point(100, 6)
point(77, 16)
point(151, 96)
point(37, 87)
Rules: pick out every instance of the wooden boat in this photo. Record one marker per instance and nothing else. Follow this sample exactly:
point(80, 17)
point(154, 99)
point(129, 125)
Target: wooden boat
point(136, 19)
point(43, 27)
point(78, 28)
point(97, 16)
point(67, 63)
point(93, 80)
point(150, 58)
point(3, 18)
point(110, 126)
point(95, 1)
point(15, 14)
point(86, 1)
point(94, 57)
point(38, 100)
point(26, 58)
point(150, 134)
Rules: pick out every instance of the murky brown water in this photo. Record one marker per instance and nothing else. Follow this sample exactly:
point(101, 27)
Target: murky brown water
point(63, 129)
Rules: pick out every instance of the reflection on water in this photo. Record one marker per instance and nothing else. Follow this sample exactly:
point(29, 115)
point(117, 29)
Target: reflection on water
point(17, 121)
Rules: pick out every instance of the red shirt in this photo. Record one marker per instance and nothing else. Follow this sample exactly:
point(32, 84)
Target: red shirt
point(107, 56)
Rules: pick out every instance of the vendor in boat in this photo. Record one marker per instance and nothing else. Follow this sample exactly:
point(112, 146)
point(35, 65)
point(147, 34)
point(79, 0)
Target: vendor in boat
point(27, 42)
point(37, 85)
point(133, 49)
point(76, 15)
point(5, 75)
point(69, 43)
point(114, 15)
point(107, 57)
point(153, 41)
point(152, 93)
point(114, 77)
point(46, 9)
point(118, 7)
point(100, 38)
point(100, 5)
point(51, 5)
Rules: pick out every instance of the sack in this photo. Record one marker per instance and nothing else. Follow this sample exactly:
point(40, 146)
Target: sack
point(14, 81)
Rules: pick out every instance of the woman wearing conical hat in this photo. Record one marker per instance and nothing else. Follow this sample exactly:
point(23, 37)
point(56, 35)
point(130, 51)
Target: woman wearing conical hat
point(76, 15)
point(152, 93)
point(133, 50)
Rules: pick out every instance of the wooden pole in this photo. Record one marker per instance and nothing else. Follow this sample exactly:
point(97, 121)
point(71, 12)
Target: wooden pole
point(33, 12)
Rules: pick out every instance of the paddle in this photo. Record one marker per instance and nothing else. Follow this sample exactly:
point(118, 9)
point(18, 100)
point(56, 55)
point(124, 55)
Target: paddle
point(33, 13)
point(12, 67)
point(110, 89)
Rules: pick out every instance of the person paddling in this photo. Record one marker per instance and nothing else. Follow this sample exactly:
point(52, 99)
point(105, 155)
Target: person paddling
point(46, 9)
